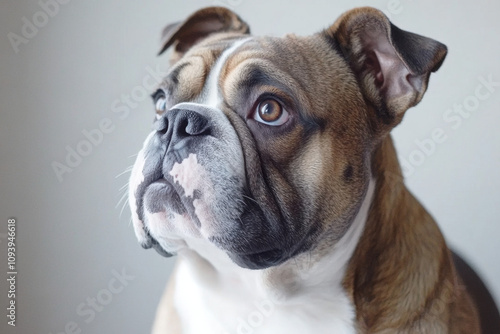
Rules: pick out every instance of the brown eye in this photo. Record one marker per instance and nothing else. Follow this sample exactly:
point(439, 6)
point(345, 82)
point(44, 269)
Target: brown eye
point(271, 112)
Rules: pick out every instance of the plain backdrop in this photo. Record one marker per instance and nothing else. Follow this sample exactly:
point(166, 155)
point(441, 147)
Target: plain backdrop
point(88, 58)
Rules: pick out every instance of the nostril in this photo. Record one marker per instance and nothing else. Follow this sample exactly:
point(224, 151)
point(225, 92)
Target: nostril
point(178, 127)
point(161, 125)
point(195, 125)
point(163, 130)
point(183, 128)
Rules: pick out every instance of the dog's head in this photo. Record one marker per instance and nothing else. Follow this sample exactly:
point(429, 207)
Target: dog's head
point(261, 146)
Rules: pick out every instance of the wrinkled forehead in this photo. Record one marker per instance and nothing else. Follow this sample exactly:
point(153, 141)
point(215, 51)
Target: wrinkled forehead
point(187, 77)
point(289, 67)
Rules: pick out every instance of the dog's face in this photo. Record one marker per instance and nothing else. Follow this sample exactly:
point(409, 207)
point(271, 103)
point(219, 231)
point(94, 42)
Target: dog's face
point(261, 146)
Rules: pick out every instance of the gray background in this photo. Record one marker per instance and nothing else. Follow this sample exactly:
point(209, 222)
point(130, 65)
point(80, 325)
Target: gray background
point(70, 75)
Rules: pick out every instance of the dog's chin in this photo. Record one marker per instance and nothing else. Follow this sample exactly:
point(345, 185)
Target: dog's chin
point(160, 250)
point(250, 241)
point(250, 255)
point(254, 261)
point(259, 260)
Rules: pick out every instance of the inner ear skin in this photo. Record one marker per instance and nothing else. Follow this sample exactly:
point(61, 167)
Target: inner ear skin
point(390, 73)
point(373, 65)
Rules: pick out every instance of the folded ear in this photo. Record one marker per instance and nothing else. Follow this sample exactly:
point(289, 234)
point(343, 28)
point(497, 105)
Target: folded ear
point(207, 21)
point(392, 65)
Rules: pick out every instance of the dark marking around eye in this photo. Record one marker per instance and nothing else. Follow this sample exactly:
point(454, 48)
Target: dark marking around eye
point(157, 95)
point(348, 173)
point(255, 77)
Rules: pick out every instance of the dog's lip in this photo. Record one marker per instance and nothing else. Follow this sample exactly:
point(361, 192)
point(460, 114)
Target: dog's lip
point(151, 242)
point(161, 181)
point(141, 193)
point(172, 189)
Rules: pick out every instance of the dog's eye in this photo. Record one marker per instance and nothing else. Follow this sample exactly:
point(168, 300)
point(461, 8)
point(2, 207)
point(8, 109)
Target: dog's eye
point(160, 101)
point(271, 112)
point(161, 105)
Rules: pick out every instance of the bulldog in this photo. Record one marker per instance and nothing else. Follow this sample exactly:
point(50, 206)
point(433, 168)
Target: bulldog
point(271, 173)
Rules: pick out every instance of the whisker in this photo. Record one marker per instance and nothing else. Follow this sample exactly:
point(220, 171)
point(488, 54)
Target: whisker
point(123, 208)
point(124, 187)
point(129, 169)
point(124, 196)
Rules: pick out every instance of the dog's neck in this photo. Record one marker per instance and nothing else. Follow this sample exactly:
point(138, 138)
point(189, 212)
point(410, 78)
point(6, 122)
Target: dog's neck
point(401, 250)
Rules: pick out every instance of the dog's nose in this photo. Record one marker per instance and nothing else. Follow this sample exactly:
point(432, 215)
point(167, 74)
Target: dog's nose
point(178, 127)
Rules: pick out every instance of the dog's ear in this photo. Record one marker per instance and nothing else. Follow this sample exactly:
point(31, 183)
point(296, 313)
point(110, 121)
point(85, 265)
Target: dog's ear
point(207, 21)
point(392, 65)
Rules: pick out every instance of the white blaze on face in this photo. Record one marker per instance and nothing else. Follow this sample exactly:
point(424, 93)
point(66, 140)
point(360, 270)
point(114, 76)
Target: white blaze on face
point(191, 176)
point(211, 89)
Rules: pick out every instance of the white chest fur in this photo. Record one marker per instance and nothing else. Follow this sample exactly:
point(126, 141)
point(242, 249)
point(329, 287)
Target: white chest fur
point(234, 309)
point(214, 296)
